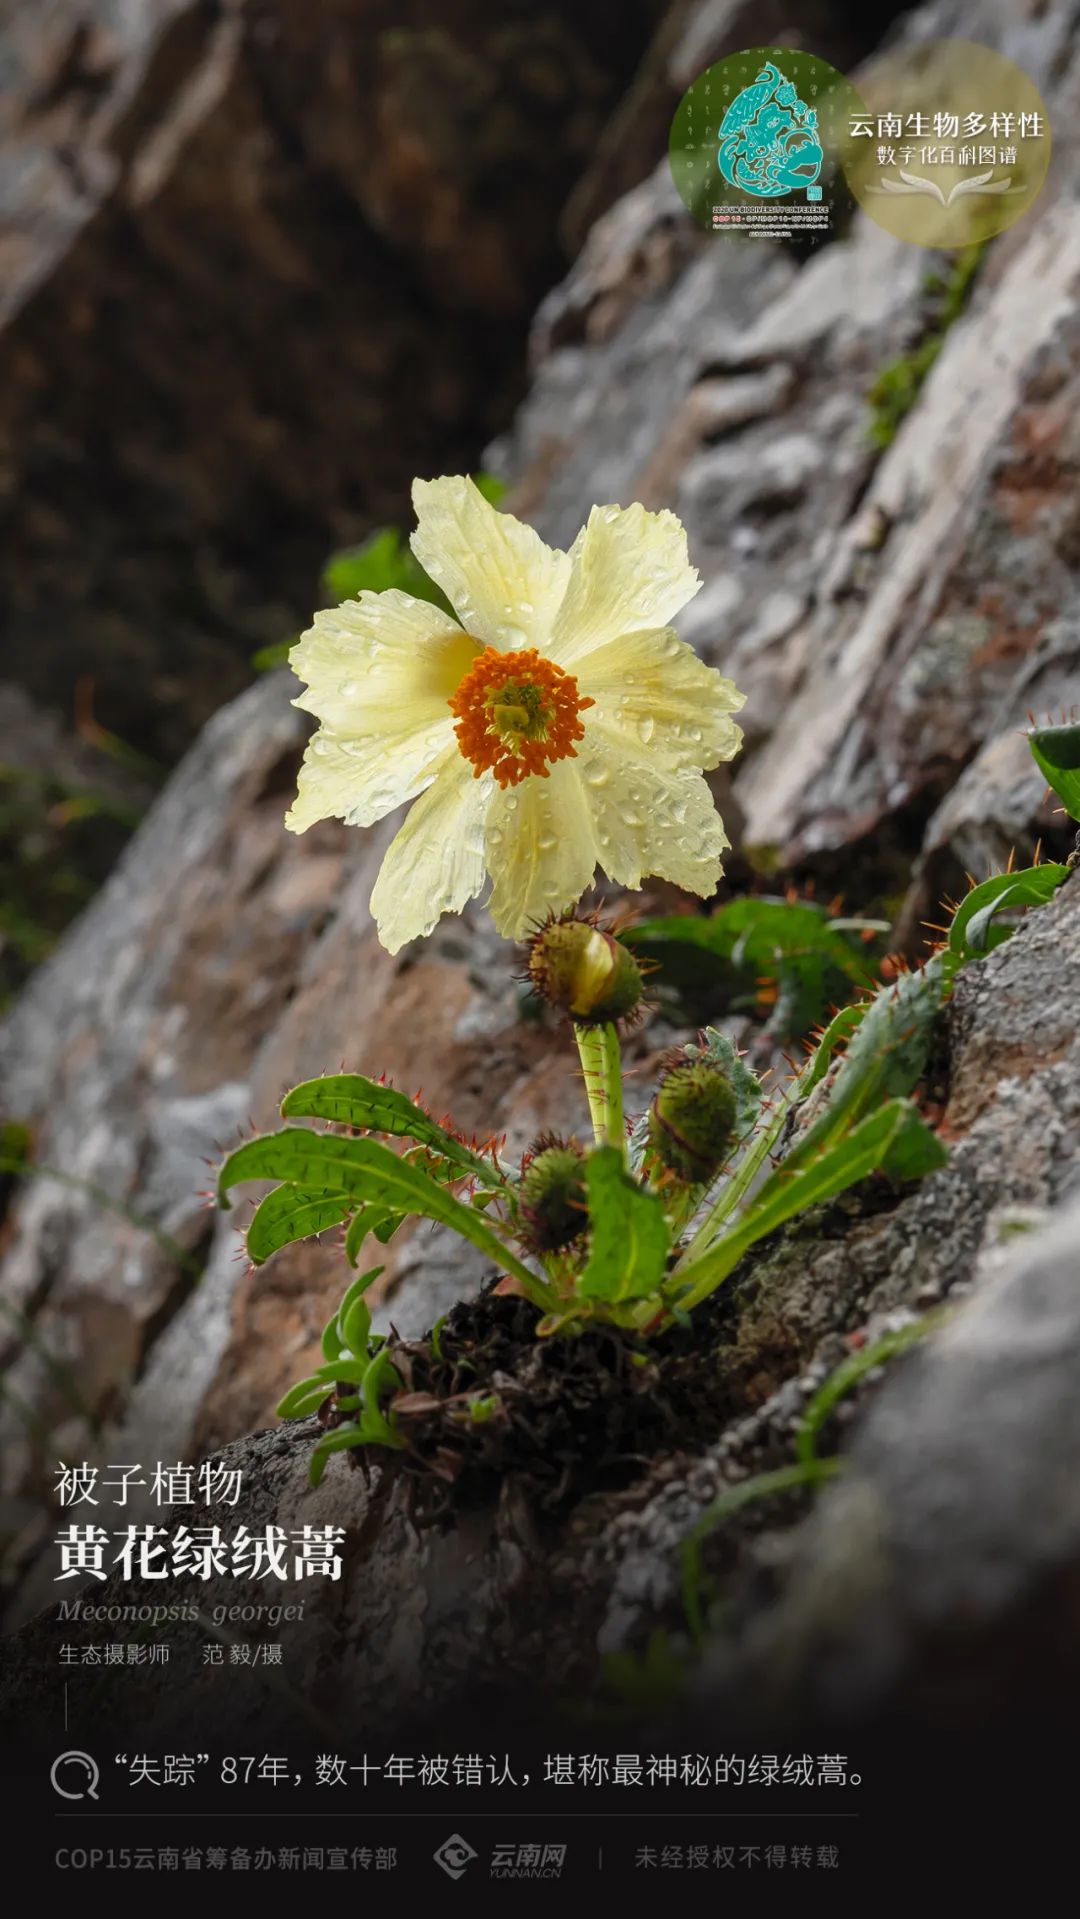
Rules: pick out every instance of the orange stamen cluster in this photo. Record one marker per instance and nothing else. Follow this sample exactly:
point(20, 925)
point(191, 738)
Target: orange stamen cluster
point(516, 713)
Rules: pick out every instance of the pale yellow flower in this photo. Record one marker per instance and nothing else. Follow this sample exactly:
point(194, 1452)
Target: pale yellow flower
point(558, 725)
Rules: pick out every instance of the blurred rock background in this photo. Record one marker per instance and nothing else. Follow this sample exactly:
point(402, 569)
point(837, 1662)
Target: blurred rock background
point(266, 261)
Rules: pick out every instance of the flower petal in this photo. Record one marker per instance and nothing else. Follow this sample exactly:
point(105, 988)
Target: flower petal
point(360, 779)
point(436, 860)
point(504, 583)
point(377, 657)
point(629, 572)
point(541, 848)
point(650, 817)
point(653, 690)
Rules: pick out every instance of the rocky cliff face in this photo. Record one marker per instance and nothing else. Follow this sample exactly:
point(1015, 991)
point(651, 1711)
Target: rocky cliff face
point(921, 1575)
point(263, 261)
point(891, 613)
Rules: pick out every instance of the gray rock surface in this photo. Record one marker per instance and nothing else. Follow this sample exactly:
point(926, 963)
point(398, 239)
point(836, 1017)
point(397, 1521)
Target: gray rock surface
point(941, 1571)
point(260, 266)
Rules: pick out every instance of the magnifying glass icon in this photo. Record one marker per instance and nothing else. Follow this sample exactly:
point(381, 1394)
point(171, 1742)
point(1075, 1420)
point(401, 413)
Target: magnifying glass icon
point(84, 1768)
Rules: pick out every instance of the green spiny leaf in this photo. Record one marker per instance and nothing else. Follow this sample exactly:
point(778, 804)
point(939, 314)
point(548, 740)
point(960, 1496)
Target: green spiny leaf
point(1057, 755)
point(894, 1139)
point(838, 1032)
point(885, 1059)
point(362, 1170)
point(350, 1099)
point(290, 1213)
point(973, 931)
point(630, 1238)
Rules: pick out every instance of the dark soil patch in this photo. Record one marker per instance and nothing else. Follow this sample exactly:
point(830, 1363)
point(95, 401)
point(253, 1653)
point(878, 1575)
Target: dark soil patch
point(567, 1416)
point(484, 1399)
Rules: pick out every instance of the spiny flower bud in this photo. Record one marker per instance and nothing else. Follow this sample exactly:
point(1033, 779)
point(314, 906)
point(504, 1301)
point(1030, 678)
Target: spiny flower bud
point(552, 1194)
point(692, 1119)
point(575, 965)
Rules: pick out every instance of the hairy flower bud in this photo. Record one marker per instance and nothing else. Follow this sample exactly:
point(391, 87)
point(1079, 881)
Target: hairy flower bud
point(692, 1119)
point(581, 969)
point(552, 1194)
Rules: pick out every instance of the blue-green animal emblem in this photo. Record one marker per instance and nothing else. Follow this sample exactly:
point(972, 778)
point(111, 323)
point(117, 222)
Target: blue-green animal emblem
point(768, 139)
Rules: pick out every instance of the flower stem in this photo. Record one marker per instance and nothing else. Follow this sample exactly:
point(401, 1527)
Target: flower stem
point(613, 1087)
point(601, 1066)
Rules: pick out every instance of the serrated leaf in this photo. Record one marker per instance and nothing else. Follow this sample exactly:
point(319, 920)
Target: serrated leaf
point(840, 1031)
point(794, 942)
point(894, 1139)
point(912, 1148)
point(973, 931)
point(290, 1213)
point(742, 1173)
point(1056, 750)
point(885, 1059)
point(362, 1170)
point(630, 1237)
point(351, 1099)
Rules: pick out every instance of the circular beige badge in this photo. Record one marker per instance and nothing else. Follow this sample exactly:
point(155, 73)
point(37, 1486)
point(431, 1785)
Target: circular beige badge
point(953, 146)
